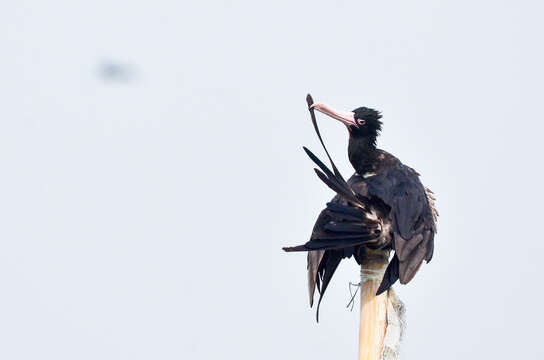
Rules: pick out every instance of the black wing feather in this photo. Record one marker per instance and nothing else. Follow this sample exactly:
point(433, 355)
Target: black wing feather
point(328, 266)
point(390, 276)
point(399, 187)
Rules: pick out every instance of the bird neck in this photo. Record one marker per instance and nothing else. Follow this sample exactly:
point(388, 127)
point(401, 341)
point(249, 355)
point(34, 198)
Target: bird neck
point(362, 153)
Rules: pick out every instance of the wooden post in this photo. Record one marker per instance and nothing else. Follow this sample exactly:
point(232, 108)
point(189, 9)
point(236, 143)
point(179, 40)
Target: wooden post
point(373, 308)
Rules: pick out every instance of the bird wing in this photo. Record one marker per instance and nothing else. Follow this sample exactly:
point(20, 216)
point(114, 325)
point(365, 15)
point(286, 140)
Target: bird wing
point(413, 218)
point(342, 226)
point(330, 241)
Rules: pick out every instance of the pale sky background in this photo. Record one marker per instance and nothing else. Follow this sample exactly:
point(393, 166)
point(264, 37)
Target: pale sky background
point(142, 216)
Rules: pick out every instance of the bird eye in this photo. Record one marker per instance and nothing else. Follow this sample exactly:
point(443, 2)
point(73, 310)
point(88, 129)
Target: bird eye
point(360, 121)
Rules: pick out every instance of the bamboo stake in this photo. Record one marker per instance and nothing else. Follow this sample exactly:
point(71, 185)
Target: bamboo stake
point(373, 308)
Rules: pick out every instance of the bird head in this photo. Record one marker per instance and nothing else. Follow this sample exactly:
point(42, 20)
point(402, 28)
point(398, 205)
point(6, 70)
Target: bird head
point(361, 122)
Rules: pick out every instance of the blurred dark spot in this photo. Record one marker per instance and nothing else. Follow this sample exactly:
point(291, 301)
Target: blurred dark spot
point(116, 72)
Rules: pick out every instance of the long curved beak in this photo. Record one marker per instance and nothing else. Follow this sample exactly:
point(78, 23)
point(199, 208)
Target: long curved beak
point(347, 117)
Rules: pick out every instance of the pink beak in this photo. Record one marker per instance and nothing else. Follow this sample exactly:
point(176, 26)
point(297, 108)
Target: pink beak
point(346, 117)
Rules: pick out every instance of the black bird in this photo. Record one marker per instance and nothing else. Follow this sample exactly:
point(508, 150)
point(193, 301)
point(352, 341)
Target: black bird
point(382, 206)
